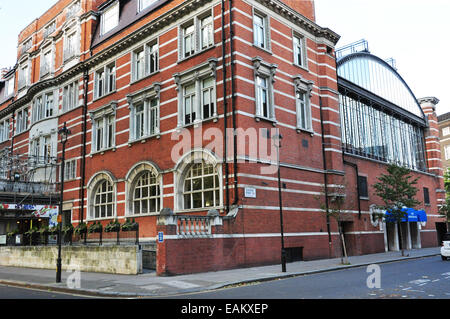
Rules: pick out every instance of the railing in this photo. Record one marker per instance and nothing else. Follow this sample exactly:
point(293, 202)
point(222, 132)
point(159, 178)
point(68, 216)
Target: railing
point(30, 187)
point(193, 226)
point(190, 226)
point(358, 46)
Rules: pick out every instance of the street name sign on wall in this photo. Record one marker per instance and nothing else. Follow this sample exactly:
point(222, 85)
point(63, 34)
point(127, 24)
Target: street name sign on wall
point(160, 237)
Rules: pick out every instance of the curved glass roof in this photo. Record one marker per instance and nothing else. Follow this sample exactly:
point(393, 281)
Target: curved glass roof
point(378, 77)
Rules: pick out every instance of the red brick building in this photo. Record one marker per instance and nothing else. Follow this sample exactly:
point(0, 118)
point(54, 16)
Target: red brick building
point(151, 90)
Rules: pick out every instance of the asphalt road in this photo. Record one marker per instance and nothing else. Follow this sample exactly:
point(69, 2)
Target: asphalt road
point(425, 278)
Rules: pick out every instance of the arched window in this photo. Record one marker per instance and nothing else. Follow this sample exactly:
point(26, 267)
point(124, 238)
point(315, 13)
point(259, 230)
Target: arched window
point(146, 194)
point(201, 186)
point(103, 200)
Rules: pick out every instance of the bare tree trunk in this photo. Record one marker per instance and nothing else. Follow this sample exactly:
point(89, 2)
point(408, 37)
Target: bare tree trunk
point(344, 248)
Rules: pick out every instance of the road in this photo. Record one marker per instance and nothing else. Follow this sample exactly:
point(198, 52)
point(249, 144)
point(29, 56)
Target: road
point(425, 278)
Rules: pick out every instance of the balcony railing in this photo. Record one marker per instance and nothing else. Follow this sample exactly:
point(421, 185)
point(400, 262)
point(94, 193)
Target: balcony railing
point(27, 187)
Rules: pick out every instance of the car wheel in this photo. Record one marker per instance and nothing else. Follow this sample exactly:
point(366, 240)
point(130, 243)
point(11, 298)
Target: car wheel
point(443, 257)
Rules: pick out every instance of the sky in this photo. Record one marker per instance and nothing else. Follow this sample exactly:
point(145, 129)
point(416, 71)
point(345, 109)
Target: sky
point(413, 32)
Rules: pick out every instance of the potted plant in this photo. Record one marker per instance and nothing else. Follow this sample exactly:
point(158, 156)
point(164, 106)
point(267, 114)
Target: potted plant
point(112, 227)
point(80, 229)
point(11, 237)
point(32, 234)
point(95, 228)
point(68, 231)
point(43, 232)
point(130, 225)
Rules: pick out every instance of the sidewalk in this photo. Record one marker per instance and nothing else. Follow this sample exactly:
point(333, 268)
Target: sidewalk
point(150, 285)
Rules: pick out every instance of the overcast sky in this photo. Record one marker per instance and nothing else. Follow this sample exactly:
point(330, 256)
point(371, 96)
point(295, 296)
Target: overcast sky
point(413, 32)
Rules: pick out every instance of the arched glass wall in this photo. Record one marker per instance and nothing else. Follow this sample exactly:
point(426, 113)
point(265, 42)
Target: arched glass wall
point(376, 76)
point(369, 132)
point(375, 129)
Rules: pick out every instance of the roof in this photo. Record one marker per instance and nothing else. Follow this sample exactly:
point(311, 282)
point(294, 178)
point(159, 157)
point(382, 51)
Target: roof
point(444, 117)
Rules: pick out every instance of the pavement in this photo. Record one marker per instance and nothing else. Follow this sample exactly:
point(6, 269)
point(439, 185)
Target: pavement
point(150, 285)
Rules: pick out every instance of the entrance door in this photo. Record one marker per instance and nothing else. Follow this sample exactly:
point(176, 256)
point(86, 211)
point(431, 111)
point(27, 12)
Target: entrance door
point(350, 239)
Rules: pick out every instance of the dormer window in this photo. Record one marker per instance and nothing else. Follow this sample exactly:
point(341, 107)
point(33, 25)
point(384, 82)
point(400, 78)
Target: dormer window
point(110, 18)
point(145, 4)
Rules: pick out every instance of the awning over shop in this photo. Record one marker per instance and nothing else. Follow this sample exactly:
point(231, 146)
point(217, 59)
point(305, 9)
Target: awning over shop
point(412, 215)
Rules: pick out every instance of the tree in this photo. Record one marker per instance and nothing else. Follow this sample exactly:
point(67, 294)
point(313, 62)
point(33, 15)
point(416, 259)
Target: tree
point(397, 190)
point(336, 204)
point(444, 210)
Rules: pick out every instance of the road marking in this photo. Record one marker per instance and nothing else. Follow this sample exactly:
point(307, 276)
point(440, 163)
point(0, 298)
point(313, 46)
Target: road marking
point(446, 274)
point(435, 280)
point(419, 281)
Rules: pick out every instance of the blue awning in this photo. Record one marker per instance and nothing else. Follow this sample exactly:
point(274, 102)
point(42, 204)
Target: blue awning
point(412, 215)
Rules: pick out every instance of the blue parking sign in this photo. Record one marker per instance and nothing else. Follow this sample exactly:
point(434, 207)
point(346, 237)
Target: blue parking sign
point(160, 237)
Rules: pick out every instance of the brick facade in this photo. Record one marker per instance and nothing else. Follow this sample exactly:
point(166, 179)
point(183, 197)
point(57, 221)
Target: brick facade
point(249, 232)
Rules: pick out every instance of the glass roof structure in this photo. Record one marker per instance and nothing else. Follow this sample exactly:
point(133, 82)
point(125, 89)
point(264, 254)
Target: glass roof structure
point(378, 77)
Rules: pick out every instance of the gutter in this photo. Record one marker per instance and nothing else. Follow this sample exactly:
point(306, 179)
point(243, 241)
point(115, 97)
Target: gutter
point(233, 107)
point(355, 166)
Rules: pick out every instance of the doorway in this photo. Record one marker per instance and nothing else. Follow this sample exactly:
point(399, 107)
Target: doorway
point(441, 230)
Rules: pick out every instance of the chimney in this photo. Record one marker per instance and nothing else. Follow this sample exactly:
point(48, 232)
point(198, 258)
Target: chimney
point(304, 7)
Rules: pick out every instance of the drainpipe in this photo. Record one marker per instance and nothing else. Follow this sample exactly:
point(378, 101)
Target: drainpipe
point(358, 189)
point(225, 106)
point(233, 106)
point(83, 150)
point(325, 176)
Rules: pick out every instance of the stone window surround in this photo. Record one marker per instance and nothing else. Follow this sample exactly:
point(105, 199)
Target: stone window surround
point(305, 87)
point(102, 112)
point(267, 71)
point(136, 98)
point(131, 179)
point(193, 75)
point(92, 187)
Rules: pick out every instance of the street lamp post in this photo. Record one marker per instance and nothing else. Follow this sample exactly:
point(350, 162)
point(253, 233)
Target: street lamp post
point(64, 133)
point(279, 137)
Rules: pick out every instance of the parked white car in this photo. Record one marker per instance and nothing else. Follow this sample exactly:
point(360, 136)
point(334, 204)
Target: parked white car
point(445, 249)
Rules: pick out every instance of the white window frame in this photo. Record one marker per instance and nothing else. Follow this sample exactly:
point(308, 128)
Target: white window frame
point(143, 98)
point(70, 96)
point(265, 27)
point(216, 189)
point(114, 10)
point(304, 88)
point(70, 170)
point(9, 87)
point(196, 35)
point(267, 71)
point(107, 129)
point(195, 76)
point(42, 110)
point(108, 80)
point(301, 46)
point(4, 130)
point(446, 131)
point(149, 50)
point(143, 4)
point(447, 152)
point(21, 120)
point(46, 66)
point(24, 75)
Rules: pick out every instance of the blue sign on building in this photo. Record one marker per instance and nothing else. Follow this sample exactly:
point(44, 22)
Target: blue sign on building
point(160, 237)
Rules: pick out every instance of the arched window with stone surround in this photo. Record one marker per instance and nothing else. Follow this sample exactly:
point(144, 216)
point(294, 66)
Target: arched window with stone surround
point(146, 194)
point(198, 177)
point(102, 197)
point(144, 189)
point(201, 186)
